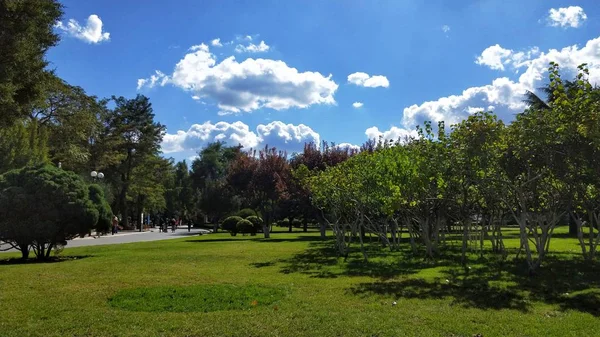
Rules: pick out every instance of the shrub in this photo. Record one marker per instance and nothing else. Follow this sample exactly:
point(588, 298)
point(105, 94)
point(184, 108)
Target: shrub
point(104, 212)
point(230, 224)
point(42, 207)
point(245, 226)
point(284, 223)
point(256, 222)
point(297, 223)
point(246, 212)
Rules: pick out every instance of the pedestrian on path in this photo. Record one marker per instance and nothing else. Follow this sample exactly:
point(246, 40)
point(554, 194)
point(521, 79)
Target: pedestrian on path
point(115, 225)
point(189, 225)
point(173, 225)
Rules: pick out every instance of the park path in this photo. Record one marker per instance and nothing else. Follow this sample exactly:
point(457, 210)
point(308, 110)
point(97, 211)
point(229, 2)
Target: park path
point(131, 236)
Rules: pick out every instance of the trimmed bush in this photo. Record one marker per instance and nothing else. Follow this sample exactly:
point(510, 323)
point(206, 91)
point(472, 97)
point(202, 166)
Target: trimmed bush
point(297, 223)
point(284, 223)
point(230, 224)
point(256, 222)
point(246, 212)
point(245, 226)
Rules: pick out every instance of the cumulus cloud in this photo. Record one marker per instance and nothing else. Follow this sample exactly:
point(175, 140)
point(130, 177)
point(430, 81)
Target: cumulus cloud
point(394, 134)
point(357, 105)
point(572, 16)
point(505, 95)
point(276, 134)
point(90, 33)
point(248, 85)
point(216, 43)
point(252, 48)
point(157, 78)
point(348, 146)
point(364, 80)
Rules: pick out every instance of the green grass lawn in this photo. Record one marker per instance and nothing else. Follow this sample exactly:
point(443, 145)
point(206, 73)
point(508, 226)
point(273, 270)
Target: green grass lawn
point(293, 285)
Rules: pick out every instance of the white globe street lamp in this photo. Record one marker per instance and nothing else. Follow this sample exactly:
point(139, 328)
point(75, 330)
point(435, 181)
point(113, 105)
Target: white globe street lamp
point(97, 175)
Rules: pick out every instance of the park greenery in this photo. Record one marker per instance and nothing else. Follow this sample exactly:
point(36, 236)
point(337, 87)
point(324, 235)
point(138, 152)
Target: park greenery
point(510, 200)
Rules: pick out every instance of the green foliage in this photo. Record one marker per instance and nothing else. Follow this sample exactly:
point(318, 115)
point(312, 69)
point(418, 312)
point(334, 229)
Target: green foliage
point(42, 207)
point(297, 223)
point(26, 34)
point(246, 212)
point(105, 214)
point(230, 224)
point(256, 221)
point(22, 144)
point(198, 298)
point(245, 226)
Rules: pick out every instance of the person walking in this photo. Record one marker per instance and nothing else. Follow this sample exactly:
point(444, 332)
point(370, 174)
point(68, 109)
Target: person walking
point(189, 223)
point(173, 225)
point(115, 225)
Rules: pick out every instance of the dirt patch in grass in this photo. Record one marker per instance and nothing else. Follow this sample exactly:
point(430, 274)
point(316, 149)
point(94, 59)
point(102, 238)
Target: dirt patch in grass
point(198, 298)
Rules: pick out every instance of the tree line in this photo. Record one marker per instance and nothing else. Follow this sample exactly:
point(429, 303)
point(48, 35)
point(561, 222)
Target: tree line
point(474, 178)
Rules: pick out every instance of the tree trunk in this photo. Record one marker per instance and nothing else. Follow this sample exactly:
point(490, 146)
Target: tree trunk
point(266, 231)
point(290, 227)
point(323, 229)
point(24, 251)
point(215, 225)
point(305, 224)
point(123, 205)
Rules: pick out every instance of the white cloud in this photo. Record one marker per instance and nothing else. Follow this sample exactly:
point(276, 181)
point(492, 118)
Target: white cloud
point(364, 80)
point(497, 57)
point(216, 43)
point(248, 85)
point(91, 33)
point(357, 105)
point(445, 28)
point(276, 134)
point(348, 146)
point(504, 95)
point(394, 133)
point(157, 78)
point(572, 16)
point(252, 48)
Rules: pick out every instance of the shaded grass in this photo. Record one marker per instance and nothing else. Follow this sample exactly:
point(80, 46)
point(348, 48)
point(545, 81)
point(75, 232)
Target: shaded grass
point(324, 296)
point(198, 298)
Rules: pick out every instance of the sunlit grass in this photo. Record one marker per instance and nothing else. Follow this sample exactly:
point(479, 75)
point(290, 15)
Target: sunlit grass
point(321, 294)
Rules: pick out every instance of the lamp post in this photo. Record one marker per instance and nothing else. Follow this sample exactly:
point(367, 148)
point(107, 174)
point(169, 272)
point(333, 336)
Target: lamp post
point(97, 175)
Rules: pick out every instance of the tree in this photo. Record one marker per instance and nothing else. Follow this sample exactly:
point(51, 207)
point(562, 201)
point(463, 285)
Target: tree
point(71, 119)
point(23, 143)
point(26, 34)
point(130, 135)
point(208, 177)
point(42, 207)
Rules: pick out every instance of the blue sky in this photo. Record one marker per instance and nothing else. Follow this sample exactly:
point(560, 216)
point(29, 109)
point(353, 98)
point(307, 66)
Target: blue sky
point(416, 61)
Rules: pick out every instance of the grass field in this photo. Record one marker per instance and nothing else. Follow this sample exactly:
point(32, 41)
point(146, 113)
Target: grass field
point(293, 285)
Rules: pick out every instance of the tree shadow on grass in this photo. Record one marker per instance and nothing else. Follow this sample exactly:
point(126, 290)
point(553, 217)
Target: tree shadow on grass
point(473, 293)
point(320, 260)
point(489, 282)
point(53, 259)
point(569, 283)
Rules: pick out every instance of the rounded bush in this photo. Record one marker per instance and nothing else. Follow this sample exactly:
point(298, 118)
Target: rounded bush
point(297, 223)
point(284, 223)
point(245, 226)
point(246, 212)
point(256, 222)
point(230, 224)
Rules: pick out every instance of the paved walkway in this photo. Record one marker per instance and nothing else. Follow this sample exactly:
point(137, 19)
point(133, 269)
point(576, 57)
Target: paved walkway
point(132, 236)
